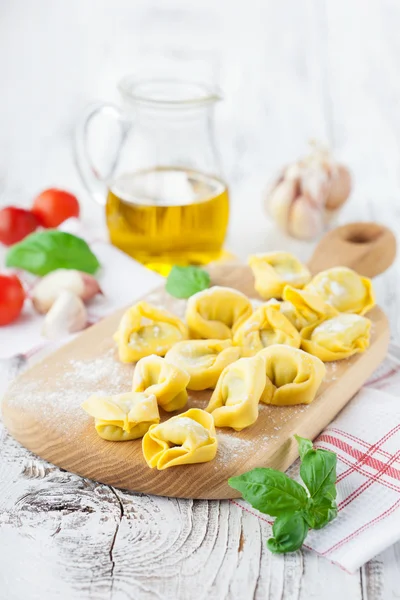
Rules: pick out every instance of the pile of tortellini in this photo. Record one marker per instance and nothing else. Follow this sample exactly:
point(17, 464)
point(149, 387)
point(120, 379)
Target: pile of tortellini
point(272, 354)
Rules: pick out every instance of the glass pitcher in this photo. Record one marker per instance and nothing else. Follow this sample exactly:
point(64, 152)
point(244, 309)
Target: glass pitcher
point(159, 178)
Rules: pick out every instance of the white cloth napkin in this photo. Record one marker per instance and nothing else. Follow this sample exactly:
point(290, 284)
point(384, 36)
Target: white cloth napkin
point(365, 435)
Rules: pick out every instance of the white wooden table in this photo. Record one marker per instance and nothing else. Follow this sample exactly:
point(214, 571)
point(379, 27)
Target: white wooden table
point(291, 70)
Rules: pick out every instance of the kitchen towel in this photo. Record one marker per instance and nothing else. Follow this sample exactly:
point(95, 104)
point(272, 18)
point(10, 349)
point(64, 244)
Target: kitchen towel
point(365, 435)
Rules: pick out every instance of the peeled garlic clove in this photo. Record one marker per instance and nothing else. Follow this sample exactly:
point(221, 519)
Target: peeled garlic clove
point(305, 220)
point(340, 187)
point(47, 290)
point(67, 315)
point(280, 200)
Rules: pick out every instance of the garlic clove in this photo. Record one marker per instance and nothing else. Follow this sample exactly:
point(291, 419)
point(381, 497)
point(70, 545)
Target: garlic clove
point(280, 200)
point(67, 315)
point(47, 290)
point(315, 184)
point(340, 187)
point(305, 220)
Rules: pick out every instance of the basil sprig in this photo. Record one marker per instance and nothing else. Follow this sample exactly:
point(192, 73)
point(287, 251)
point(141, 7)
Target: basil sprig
point(45, 251)
point(296, 508)
point(183, 282)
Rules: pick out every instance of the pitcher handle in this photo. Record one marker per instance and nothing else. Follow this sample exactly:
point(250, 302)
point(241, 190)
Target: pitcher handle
point(94, 181)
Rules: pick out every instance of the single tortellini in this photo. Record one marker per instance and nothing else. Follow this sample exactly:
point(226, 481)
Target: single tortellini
point(344, 289)
point(293, 376)
point(123, 417)
point(216, 313)
point(204, 360)
point(266, 326)
point(303, 308)
point(234, 402)
point(185, 439)
point(337, 338)
point(274, 270)
point(145, 329)
point(154, 375)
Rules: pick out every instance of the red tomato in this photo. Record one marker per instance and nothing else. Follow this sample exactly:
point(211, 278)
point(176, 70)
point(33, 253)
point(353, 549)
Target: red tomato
point(53, 206)
point(15, 224)
point(12, 298)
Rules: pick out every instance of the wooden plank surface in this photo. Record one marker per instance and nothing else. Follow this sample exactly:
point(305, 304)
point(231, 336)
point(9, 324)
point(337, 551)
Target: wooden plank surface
point(42, 410)
point(290, 70)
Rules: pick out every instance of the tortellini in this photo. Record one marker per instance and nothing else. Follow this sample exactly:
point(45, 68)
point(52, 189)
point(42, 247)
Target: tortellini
point(182, 440)
point(123, 417)
point(234, 402)
point(204, 360)
point(154, 375)
point(344, 289)
point(293, 376)
point(337, 338)
point(266, 326)
point(145, 329)
point(216, 313)
point(303, 308)
point(274, 270)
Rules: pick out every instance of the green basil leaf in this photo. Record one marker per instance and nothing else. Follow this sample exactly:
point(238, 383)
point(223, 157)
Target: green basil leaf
point(270, 491)
point(321, 512)
point(304, 445)
point(183, 282)
point(290, 530)
point(45, 251)
point(318, 471)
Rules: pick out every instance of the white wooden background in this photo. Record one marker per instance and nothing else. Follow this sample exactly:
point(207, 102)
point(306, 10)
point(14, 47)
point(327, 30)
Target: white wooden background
point(291, 70)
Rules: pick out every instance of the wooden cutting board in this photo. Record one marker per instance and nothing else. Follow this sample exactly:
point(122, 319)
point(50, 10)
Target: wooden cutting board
point(42, 407)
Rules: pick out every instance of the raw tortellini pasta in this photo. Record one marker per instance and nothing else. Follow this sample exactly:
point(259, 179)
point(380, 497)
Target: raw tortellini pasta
point(344, 289)
point(145, 329)
point(234, 402)
point(204, 360)
point(303, 308)
point(182, 440)
point(122, 417)
point(337, 338)
point(216, 313)
point(293, 376)
point(266, 326)
point(154, 375)
point(274, 270)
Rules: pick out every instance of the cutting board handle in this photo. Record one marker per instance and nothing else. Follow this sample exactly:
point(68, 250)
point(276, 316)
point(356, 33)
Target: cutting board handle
point(368, 248)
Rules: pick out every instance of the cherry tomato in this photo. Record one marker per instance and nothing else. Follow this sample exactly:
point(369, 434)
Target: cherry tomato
point(15, 224)
point(53, 206)
point(12, 298)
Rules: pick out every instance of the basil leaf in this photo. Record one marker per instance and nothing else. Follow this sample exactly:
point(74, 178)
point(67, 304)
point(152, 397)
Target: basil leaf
point(270, 491)
point(318, 471)
point(45, 251)
point(183, 282)
point(320, 513)
point(304, 445)
point(290, 531)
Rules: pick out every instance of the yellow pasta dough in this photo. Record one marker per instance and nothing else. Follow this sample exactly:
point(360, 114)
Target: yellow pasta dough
point(234, 402)
point(303, 308)
point(274, 270)
point(344, 289)
point(293, 376)
point(145, 329)
point(337, 338)
point(204, 360)
point(154, 375)
point(266, 326)
point(182, 440)
point(122, 417)
point(216, 313)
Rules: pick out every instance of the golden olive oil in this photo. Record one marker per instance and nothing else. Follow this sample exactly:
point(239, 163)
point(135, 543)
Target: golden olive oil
point(168, 216)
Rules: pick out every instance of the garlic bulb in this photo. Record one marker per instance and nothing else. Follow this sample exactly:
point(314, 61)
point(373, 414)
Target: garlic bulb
point(67, 315)
point(308, 193)
point(47, 290)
